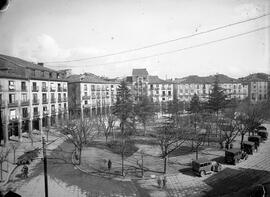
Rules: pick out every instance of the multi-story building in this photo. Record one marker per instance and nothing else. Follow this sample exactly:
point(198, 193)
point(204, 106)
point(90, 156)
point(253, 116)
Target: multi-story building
point(159, 90)
point(143, 84)
point(90, 94)
point(185, 88)
point(258, 86)
point(31, 96)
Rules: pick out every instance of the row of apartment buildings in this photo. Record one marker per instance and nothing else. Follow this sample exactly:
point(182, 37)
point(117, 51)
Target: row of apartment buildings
point(31, 97)
point(35, 97)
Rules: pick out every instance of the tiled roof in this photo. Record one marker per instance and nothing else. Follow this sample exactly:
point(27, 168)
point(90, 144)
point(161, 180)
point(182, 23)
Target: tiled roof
point(194, 79)
point(256, 77)
point(139, 72)
point(156, 80)
point(4, 59)
point(88, 78)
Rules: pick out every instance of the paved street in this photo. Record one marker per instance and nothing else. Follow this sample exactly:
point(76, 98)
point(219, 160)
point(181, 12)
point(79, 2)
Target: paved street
point(231, 181)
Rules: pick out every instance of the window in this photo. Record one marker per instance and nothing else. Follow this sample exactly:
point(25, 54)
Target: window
point(35, 110)
point(85, 102)
point(44, 97)
point(24, 97)
point(35, 97)
point(11, 98)
point(45, 109)
point(253, 96)
point(52, 96)
point(85, 93)
point(59, 96)
point(43, 85)
point(12, 114)
point(53, 108)
point(169, 93)
point(11, 85)
point(24, 112)
point(53, 87)
point(23, 86)
point(163, 99)
point(59, 106)
point(65, 106)
point(260, 97)
point(151, 86)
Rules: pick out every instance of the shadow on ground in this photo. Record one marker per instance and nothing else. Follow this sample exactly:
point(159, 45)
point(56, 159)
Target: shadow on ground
point(234, 182)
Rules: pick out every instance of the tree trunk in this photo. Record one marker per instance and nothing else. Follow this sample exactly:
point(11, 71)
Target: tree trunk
point(80, 155)
point(106, 138)
point(242, 139)
point(197, 152)
point(165, 164)
point(14, 156)
point(122, 144)
point(144, 128)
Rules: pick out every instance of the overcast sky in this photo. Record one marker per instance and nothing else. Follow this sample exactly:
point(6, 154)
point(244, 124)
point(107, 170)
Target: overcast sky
point(56, 30)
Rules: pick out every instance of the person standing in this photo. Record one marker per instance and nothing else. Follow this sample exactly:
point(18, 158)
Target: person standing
point(109, 165)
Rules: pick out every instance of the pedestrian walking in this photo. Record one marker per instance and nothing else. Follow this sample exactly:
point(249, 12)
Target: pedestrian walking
point(159, 182)
point(164, 181)
point(109, 165)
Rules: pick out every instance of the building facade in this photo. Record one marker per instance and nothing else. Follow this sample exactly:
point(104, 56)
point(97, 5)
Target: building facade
point(90, 95)
point(185, 88)
point(31, 96)
point(142, 84)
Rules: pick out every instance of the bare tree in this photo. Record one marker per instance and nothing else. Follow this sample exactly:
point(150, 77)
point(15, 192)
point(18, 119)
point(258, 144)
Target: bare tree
point(14, 147)
point(170, 138)
point(106, 124)
point(80, 132)
point(3, 157)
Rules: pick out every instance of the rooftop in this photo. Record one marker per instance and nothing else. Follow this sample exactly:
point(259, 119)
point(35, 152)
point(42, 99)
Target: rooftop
point(194, 79)
point(156, 80)
point(139, 72)
point(89, 78)
point(6, 60)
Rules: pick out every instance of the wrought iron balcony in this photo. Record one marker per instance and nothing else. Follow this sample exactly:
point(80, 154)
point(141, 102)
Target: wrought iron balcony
point(35, 89)
point(25, 103)
point(35, 102)
point(45, 89)
point(13, 104)
point(36, 114)
point(53, 100)
point(45, 101)
point(86, 97)
point(24, 89)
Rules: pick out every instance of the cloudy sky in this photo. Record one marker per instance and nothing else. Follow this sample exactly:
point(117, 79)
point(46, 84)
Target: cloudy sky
point(49, 31)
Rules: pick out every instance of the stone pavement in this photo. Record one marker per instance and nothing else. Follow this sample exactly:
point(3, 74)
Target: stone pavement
point(54, 139)
point(232, 178)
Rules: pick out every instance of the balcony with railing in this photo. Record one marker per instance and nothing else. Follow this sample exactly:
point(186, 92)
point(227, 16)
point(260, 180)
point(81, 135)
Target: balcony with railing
point(36, 114)
point(24, 89)
point(59, 100)
point(35, 89)
point(25, 115)
point(35, 102)
point(45, 88)
point(52, 89)
point(45, 113)
point(53, 112)
point(53, 100)
point(3, 104)
point(13, 104)
point(59, 89)
point(44, 101)
point(25, 103)
point(86, 97)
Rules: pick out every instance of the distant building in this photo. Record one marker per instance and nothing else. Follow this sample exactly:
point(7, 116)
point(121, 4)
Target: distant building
point(143, 84)
point(258, 86)
point(186, 87)
point(90, 95)
point(31, 97)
